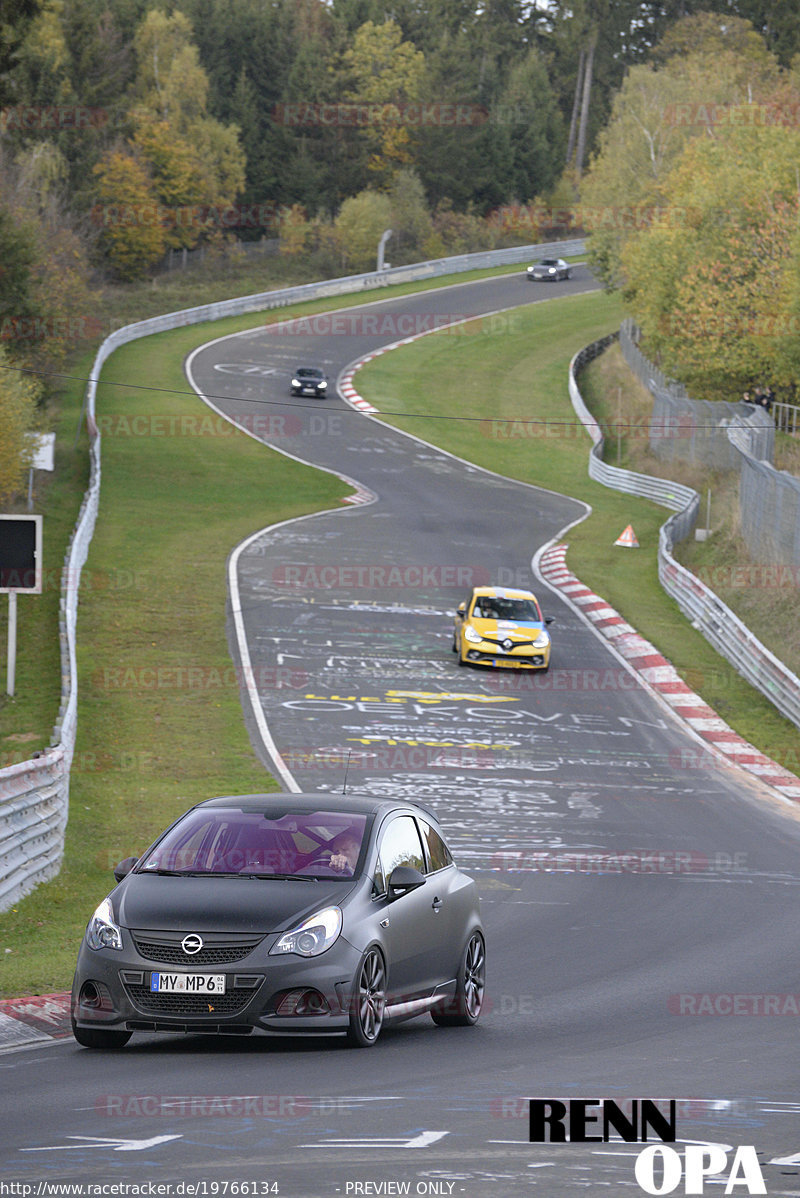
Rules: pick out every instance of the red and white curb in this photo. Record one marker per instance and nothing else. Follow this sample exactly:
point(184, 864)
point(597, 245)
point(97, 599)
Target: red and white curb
point(662, 676)
point(348, 391)
point(345, 386)
point(360, 494)
point(33, 1020)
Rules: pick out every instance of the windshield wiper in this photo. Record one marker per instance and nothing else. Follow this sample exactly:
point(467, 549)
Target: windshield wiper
point(278, 877)
point(209, 873)
point(165, 873)
point(193, 873)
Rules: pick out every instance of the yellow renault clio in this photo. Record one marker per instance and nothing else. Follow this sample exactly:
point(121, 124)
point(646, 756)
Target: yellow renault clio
point(497, 626)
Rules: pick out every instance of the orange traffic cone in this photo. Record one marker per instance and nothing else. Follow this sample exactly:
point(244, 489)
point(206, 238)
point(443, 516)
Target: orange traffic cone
point(627, 538)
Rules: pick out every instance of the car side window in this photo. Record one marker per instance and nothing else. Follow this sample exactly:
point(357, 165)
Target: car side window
point(401, 845)
point(436, 850)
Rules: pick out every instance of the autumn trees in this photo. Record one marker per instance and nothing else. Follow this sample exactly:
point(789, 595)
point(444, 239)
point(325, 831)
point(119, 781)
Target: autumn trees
point(692, 203)
point(451, 123)
point(162, 186)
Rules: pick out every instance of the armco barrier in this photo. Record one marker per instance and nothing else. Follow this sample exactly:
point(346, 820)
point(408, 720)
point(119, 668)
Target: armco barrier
point(34, 795)
point(668, 494)
point(719, 625)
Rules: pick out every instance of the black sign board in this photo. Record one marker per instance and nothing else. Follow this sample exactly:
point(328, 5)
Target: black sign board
point(21, 554)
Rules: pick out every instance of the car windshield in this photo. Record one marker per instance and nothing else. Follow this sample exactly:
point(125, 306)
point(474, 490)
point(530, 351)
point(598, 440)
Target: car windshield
point(309, 372)
point(494, 607)
point(549, 262)
point(224, 841)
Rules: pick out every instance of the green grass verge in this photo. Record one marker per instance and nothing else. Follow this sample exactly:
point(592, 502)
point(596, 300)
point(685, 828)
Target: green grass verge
point(27, 718)
point(478, 380)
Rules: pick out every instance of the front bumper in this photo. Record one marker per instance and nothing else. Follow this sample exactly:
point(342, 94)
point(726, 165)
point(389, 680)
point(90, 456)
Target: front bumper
point(111, 990)
point(486, 655)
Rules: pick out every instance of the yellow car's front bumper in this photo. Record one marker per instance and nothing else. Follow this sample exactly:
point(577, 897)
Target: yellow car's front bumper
point(486, 654)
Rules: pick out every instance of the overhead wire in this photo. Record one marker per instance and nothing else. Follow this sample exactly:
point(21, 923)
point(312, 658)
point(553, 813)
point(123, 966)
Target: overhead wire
point(283, 403)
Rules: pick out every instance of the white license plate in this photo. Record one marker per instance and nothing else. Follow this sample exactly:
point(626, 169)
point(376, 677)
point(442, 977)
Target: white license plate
point(187, 983)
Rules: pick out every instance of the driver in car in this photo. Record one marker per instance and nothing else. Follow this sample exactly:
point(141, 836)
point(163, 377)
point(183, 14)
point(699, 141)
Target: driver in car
point(345, 849)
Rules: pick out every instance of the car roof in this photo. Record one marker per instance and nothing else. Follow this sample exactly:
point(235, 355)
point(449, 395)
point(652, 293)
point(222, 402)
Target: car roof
point(504, 592)
point(350, 802)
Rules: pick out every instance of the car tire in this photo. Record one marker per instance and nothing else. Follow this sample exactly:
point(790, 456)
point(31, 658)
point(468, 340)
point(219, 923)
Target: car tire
point(461, 661)
point(455, 643)
point(465, 1007)
point(367, 1000)
point(100, 1037)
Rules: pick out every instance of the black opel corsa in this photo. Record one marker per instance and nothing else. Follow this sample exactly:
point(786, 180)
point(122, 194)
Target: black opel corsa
point(287, 913)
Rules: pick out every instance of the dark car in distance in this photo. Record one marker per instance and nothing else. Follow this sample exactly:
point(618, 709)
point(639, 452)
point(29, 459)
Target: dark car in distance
point(309, 380)
point(549, 270)
point(298, 913)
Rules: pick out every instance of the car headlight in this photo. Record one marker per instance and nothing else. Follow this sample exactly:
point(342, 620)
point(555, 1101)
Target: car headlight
point(101, 930)
point(322, 384)
point(542, 640)
point(295, 382)
point(552, 270)
point(313, 937)
point(472, 636)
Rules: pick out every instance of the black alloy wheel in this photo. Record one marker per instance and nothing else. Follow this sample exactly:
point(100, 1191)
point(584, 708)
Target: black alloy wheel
point(464, 1009)
point(368, 1001)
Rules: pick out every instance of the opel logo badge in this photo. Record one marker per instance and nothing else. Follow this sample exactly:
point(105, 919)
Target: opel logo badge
point(192, 943)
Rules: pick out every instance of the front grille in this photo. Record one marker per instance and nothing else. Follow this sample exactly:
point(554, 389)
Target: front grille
point(514, 644)
point(218, 948)
point(180, 1005)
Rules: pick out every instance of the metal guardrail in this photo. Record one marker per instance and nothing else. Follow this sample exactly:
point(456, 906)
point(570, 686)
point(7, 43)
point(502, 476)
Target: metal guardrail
point(721, 627)
point(645, 486)
point(787, 418)
point(34, 794)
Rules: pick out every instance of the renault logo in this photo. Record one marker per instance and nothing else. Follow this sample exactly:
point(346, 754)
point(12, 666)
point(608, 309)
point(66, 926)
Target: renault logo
point(192, 943)
point(508, 644)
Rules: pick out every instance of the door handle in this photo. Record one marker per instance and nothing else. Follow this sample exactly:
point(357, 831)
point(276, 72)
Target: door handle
point(436, 904)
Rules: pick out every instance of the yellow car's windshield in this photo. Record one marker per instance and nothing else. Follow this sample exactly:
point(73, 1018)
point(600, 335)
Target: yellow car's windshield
point(491, 607)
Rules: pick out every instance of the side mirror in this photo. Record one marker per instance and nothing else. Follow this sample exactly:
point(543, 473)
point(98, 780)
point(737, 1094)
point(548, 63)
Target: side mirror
point(124, 867)
point(404, 878)
point(549, 619)
point(461, 609)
